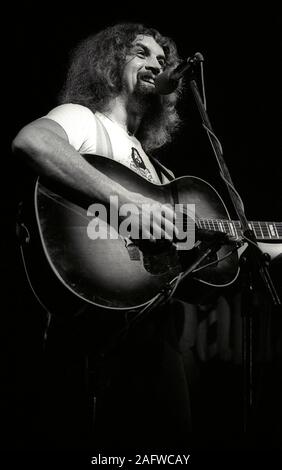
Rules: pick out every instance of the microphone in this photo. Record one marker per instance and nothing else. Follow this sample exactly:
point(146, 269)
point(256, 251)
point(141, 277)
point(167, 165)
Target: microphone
point(166, 82)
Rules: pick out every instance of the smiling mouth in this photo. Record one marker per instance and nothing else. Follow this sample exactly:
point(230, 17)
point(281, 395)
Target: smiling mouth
point(148, 80)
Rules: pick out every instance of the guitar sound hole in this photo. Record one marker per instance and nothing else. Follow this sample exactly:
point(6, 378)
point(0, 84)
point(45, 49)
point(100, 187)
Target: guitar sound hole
point(159, 257)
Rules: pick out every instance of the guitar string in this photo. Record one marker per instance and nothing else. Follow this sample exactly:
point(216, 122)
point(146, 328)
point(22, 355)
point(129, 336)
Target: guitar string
point(237, 222)
point(177, 279)
point(263, 225)
point(64, 205)
point(227, 221)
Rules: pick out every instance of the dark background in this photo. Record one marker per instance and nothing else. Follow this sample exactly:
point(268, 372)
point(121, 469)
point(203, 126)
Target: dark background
point(242, 51)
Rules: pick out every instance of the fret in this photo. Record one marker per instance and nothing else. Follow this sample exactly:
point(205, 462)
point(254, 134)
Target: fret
point(278, 226)
point(202, 223)
point(232, 231)
point(262, 230)
point(226, 227)
point(257, 230)
point(221, 228)
point(238, 229)
point(235, 232)
point(274, 230)
point(273, 233)
point(268, 230)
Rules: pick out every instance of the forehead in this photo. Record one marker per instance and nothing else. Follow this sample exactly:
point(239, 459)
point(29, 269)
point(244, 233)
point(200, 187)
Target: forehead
point(150, 43)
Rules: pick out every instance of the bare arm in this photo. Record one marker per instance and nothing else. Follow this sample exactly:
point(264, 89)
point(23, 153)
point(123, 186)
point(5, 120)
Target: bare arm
point(44, 145)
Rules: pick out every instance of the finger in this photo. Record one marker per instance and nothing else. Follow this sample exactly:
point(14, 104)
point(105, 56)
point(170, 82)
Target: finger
point(169, 228)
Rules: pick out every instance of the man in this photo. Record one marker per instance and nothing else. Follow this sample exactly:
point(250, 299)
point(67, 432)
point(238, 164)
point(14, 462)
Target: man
point(118, 86)
point(109, 107)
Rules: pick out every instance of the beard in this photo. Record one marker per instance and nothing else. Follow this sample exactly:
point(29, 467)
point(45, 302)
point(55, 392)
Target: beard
point(145, 88)
point(145, 95)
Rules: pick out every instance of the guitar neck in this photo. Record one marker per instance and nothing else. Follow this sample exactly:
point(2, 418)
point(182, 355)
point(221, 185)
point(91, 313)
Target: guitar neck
point(263, 230)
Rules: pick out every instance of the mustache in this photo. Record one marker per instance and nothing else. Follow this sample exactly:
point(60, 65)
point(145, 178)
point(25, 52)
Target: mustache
point(147, 76)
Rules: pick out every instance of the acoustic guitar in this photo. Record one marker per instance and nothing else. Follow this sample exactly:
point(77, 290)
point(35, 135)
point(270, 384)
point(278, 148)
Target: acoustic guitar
point(66, 266)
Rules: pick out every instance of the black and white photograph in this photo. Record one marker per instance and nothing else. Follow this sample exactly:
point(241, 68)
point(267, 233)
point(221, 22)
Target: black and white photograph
point(142, 235)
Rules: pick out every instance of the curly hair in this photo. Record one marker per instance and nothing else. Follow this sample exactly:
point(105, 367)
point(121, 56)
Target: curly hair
point(95, 77)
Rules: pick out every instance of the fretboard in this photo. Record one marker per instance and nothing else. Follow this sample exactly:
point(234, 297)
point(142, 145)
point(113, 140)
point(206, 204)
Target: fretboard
point(262, 230)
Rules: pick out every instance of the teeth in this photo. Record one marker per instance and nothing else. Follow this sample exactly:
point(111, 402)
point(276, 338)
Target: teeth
point(149, 80)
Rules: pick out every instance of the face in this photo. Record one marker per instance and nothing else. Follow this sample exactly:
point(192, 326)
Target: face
point(143, 63)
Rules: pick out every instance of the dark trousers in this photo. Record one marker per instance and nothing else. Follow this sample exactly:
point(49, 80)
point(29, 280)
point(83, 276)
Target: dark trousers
point(108, 391)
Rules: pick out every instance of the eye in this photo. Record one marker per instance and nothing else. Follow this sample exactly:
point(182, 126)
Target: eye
point(162, 63)
point(140, 52)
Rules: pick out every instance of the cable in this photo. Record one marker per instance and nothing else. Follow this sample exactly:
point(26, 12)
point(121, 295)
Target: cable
point(229, 253)
point(203, 85)
point(209, 131)
point(48, 321)
point(250, 241)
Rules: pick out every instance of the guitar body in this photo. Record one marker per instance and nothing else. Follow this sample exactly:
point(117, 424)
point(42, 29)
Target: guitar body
point(116, 273)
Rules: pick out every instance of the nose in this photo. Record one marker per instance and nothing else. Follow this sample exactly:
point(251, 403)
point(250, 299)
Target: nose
point(153, 65)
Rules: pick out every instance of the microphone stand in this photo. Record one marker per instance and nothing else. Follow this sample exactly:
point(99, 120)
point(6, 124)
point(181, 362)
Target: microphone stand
point(205, 249)
point(254, 265)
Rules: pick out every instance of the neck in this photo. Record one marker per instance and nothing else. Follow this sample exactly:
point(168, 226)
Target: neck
point(126, 113)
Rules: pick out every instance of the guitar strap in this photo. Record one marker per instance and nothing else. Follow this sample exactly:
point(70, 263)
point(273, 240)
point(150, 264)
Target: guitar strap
point(162, 170)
